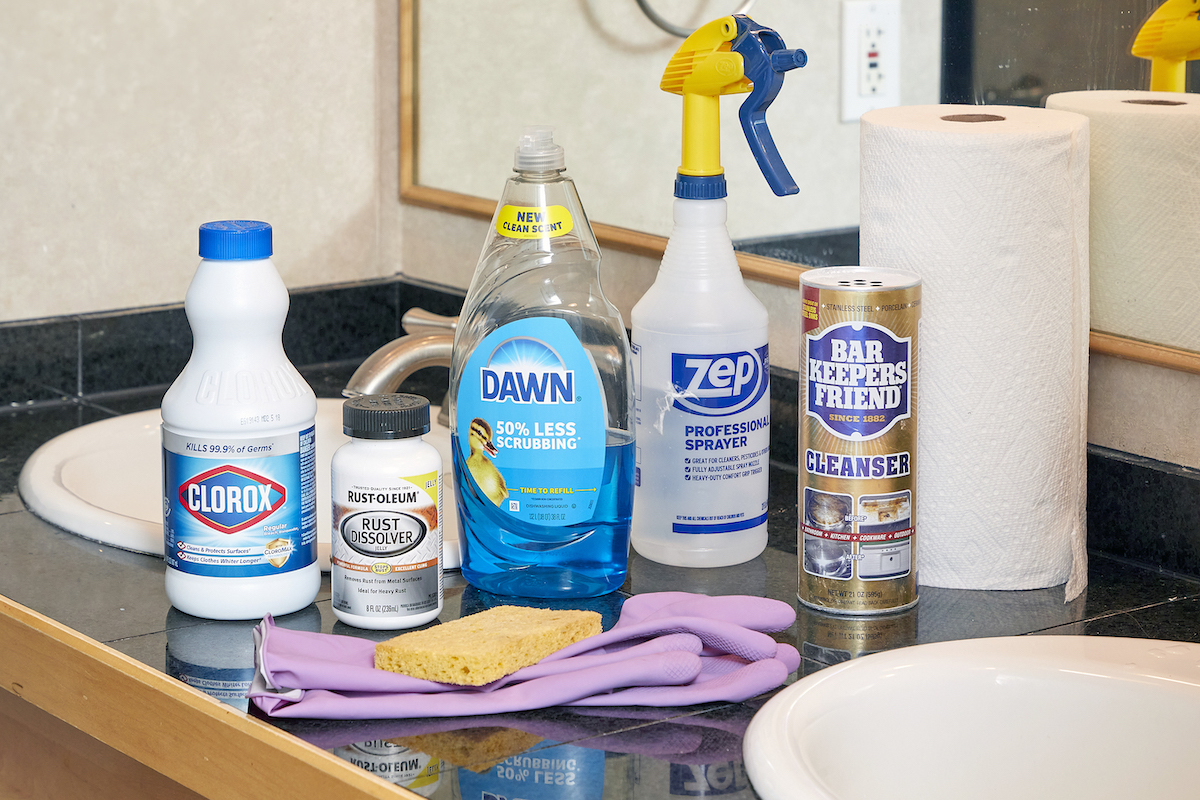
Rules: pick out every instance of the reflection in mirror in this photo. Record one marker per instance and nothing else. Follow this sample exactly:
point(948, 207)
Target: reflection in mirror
point(1012, 52)
point(622, 132)
point(473, 76)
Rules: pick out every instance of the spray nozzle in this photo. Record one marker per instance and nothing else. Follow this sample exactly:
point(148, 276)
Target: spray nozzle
point(731, 55)
point(537, 152)
point(1169, 38)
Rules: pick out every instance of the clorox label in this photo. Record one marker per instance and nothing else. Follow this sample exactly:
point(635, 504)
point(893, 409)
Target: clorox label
point(229, 499)
point(858, 379)
point(239, 508)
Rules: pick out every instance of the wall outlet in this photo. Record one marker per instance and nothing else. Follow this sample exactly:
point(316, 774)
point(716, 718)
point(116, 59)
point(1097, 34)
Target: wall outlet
point(870, 56)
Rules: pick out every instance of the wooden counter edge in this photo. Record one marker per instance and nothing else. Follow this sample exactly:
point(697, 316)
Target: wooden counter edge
point(193, 739)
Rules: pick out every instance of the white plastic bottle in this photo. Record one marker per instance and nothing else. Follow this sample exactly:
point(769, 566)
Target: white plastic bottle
point(239, 444)
point(701, 372)
point(702, 380)
point(386, 545)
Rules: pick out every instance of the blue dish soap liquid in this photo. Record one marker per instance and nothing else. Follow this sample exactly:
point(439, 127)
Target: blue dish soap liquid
point(541, 398)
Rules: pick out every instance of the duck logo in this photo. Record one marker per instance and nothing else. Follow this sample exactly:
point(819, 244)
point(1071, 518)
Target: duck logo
point(526, 371)
point(858, 379)
point(229, 499)
point(719, 384)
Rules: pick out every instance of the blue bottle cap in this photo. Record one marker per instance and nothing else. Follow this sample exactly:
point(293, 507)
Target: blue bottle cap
point(700, 187)
point(235, 240)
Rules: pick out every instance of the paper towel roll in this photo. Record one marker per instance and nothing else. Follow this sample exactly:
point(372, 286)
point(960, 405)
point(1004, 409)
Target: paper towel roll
point(1145, 243)
point(989, 206)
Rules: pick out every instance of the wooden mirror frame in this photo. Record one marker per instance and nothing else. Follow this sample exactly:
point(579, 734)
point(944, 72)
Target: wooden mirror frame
point(754, 267)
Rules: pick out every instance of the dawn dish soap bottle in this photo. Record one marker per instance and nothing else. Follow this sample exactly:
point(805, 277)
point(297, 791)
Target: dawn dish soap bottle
point(701, 371)
point(239, 443)
point(541, 397)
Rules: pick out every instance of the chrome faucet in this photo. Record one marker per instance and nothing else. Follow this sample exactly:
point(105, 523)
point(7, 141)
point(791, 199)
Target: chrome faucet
point(427, 342)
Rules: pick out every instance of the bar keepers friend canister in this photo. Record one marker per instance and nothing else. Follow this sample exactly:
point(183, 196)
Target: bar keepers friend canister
point(858, 439)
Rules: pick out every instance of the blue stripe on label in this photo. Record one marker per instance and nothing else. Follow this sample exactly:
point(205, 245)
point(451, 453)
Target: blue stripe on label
point(724, 527)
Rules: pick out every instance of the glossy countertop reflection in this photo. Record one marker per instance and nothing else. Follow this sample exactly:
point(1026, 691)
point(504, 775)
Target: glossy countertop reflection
point(118, 599)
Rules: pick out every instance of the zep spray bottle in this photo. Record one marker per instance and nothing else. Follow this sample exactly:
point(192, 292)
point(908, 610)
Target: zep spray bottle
point(238, 440)
point(541, 397)
point(701, 371)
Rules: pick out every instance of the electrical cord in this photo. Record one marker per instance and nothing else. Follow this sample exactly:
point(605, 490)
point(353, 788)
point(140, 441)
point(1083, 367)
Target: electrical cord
point(678, 30)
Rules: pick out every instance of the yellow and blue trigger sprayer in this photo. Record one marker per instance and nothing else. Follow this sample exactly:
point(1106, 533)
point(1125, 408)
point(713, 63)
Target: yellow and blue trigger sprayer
point(699, 336)
point(1169, 38)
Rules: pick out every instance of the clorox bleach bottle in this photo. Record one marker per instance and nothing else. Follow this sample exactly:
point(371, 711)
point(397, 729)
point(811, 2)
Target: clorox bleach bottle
point(701, 371)
point(541, 397)
point(239, 444)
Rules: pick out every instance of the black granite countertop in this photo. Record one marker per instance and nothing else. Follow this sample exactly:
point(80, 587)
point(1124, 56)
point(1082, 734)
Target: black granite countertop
point(118, 599)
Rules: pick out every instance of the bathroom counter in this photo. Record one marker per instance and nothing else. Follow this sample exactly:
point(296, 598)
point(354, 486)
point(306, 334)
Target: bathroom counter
point(91, 641)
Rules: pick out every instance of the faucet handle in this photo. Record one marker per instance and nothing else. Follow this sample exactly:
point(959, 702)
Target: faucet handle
point(419, 321)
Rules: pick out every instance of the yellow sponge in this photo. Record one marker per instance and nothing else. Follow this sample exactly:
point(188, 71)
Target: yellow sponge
point(484, 647)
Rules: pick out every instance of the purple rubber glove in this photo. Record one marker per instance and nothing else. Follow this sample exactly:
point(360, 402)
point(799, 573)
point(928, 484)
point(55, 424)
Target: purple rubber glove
point(671, 649)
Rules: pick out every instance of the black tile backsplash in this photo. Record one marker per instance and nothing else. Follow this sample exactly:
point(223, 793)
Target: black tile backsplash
point(91, 355)
point(38, 361)
point(834, 248)
point(1138, 509)
point(1144, 510)
point(327, 325)
point(131, 349)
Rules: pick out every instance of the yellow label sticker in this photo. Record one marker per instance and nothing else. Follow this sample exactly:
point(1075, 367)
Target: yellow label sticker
point(533, 222)
point(428, 481)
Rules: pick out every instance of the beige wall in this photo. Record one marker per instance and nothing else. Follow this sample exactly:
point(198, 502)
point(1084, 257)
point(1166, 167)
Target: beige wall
point(127, 124)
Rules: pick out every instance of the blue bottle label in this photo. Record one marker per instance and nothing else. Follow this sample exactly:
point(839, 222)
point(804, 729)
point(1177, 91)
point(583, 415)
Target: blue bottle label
point(530, 413)
point(858, 379)
point(703, 435)
point(719, 384)
point(239, 508)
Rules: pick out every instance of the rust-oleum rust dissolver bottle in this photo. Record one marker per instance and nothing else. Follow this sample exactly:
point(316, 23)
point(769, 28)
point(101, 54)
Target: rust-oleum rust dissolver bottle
point(239, 444)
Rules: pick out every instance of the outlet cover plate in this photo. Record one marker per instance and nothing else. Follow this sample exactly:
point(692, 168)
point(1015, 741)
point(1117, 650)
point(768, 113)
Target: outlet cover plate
point(870, 56)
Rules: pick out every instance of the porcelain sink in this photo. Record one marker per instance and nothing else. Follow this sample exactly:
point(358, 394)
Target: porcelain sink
point(1018, 717)
point(103, 481)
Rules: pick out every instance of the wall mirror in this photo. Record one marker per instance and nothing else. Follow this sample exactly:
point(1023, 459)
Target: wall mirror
point(472, 75)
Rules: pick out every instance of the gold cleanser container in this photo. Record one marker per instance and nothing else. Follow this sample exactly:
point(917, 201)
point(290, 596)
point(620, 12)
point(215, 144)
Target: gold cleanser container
point(857, 539)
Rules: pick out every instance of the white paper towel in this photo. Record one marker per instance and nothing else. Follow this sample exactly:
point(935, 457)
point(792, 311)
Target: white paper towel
point(992, 214)
point(1145, 187)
